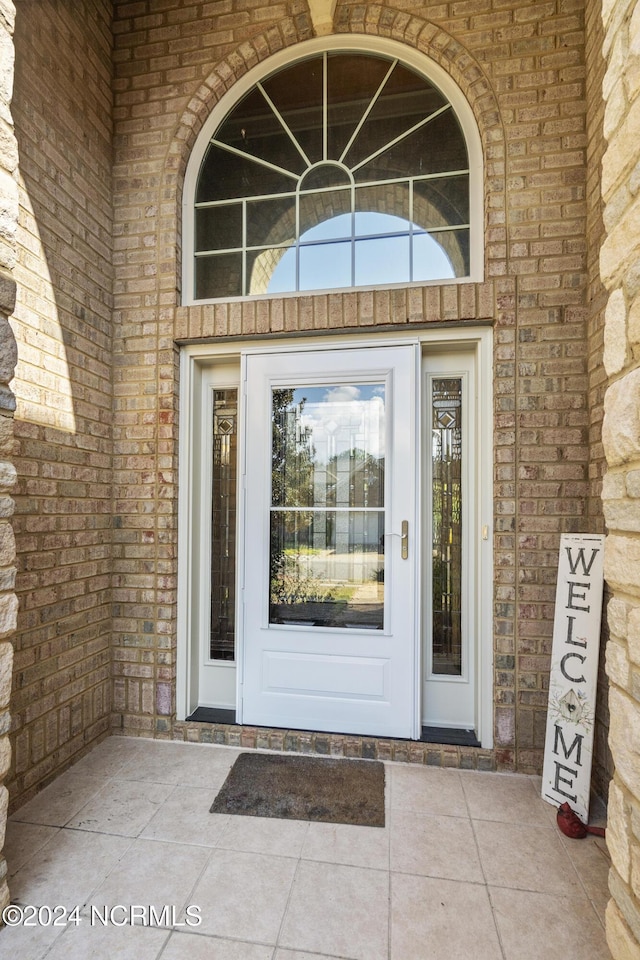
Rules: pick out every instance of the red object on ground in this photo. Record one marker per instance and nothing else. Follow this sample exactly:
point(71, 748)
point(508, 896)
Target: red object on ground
point(572, 826)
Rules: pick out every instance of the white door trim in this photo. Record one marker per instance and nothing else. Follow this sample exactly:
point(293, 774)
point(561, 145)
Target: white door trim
point(194, 357)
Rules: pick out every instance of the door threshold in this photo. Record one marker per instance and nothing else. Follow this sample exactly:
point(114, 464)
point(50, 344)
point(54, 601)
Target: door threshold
point(212, 715)
point(450, 736)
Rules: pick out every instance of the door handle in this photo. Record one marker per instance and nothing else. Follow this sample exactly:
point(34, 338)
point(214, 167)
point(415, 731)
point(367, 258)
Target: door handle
point(404, 540)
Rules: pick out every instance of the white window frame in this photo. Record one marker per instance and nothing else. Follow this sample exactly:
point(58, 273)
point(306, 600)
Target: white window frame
point(347, 43)
point(192, 593)
point(456, 364)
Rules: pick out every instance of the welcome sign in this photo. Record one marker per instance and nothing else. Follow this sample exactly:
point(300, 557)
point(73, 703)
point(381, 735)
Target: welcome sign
point(568, 748)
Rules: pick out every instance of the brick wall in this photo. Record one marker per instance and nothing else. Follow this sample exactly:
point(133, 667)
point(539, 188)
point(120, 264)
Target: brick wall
point(619, 261)
point(62, 109)
point(522, 67)
point(166, 65)
point(8, 222)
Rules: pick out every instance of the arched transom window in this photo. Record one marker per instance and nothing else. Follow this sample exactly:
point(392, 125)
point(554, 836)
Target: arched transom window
point(343, 169)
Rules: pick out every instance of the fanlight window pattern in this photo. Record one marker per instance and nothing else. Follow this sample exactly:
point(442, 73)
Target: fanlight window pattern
point(340, 170)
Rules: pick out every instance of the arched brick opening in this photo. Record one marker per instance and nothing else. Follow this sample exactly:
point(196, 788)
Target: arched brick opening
point(434, 42)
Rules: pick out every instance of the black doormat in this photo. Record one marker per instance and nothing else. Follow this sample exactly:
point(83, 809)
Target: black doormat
point(304, 788)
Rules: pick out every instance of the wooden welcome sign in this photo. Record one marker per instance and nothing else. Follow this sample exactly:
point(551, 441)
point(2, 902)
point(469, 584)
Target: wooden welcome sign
point(568, 748)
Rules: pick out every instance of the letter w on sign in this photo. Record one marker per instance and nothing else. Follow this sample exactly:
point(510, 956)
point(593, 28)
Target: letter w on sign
point(568, 747)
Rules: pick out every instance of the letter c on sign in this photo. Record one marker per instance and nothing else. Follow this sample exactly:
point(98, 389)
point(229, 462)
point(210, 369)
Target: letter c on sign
point(566, 657)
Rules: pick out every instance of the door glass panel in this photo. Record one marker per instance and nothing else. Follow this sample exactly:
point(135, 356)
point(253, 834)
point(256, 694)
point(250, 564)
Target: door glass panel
point(327, 513)
point(219, 276)
point(389, 254)
point(447, 525)
point(296, 93)
point(219, 227)
point(223, 533)
point(253, 128)
point(271, 221)
point(327, 568)
point(430, 260)
point(325, 265)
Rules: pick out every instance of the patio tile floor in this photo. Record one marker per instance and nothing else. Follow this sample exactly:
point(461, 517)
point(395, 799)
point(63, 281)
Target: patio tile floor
point(469, 866)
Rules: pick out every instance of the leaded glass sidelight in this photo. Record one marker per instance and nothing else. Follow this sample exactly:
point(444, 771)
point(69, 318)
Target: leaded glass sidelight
point(342, 169)
point(223, 532)
point(446, 452)
point(327, 513)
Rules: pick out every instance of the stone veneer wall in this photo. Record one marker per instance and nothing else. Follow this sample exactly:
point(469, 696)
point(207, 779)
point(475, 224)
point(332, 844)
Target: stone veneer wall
point(62, 111)
point(8, 222)
point(620, 268)
point(596, 300)
point(522, 67)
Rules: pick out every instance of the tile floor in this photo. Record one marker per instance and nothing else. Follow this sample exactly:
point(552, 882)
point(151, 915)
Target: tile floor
point(470, 866)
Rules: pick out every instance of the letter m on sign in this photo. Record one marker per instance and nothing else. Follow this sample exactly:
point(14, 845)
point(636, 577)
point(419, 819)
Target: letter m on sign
point(576, 745)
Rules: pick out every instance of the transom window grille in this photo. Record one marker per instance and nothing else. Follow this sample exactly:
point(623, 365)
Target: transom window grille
point(344, 169)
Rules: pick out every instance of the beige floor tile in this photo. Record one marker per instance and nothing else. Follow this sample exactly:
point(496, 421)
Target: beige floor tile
point(61, 800)
point(525, 857)
point(533, 925)
point(189, 946)
point(109, 757)
point(188, 764)
point(349, 845)
point(22, 841)
point(153, 873)
point(427, 790)
point(591, 860)
point(158, 761)
point(441, 920)
point(122, 807)
point(243, 895)
point(184, 818)
point(297, 955)
point(333, 903)
point(434, 847)
point(599, 900)
point(283, 838)
point(338, 910)
point(93, 942)
point(68, 869)
point(27, 943)
point(509, 799)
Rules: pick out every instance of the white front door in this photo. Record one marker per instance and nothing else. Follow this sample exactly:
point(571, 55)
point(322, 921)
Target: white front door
point(330, 628)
